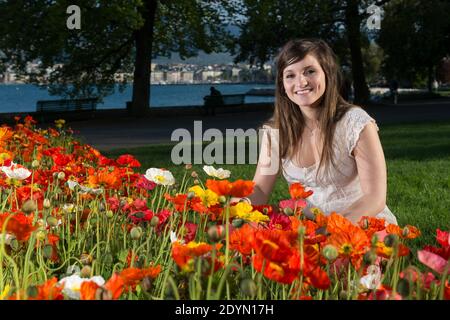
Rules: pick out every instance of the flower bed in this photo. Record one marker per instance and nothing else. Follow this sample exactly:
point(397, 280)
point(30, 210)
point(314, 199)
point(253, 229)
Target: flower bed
point(78, 225)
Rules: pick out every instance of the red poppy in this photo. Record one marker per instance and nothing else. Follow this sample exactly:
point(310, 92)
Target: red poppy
point(285, 271)
point(132, 276)
point(18, 224)
point(127, 160)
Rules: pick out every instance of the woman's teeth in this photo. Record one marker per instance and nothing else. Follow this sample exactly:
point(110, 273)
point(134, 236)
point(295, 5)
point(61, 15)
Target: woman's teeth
point(303, 91)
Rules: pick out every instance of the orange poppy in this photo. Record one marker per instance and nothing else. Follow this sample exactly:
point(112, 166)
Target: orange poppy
point(240, 188)
point(336, 223)
point(371, 225)
point(242, 239)
point(407, 232)
point(352, 243)
point(46, 291)
point(132, 276)
point(115, 285)
point(184, 254)
point(297, 191)
point(88, 290)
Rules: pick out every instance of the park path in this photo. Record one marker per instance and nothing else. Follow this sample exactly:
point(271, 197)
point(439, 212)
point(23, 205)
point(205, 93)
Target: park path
point(128, 132)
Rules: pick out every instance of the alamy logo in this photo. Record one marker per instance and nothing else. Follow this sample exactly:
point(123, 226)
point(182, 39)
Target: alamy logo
point(74, 20)
point(213, 153)
point(374, 20)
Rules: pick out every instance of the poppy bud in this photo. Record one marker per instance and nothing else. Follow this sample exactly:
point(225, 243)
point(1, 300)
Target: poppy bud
point(190, 195)
point(138, 214)
point(301, 231)
point(196, 182)
point(32, 291)
point(288, 211)
point(374, 240)
point(146, 284)
point(86, 258)
point(103, 294)
point(216, 233)
point(136, 233)
point(14, 244)
point(47, 203)
point(86, 272)
point(222, 199)
point(248, 287)
point(403, 287)
point(330, 252)
point(194, 174)
point(154, 221)
point(35, 164)
point(40, 235)
point(109, 214)
point(237, 223)
point(188, 166)
point(405, 231)
point(47, 251)
point(29, 206)
point(61, 175)
point(390, 240)
point(343, 295)
point(365, 224)
point(369, 257)
point(52, 221)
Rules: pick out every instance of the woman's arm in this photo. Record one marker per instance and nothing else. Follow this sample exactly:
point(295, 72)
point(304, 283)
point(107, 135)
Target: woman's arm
point(371, 166)
point(266, 170)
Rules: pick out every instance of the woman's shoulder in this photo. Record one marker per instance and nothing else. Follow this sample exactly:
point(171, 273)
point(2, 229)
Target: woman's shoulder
point(355, 116)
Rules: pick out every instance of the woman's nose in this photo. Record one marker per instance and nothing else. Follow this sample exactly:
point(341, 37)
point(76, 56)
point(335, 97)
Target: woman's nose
point(302, 81)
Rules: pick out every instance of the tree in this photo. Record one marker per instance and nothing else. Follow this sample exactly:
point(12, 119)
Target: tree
point(415, 36)
point(115, 36)
point(270, 24)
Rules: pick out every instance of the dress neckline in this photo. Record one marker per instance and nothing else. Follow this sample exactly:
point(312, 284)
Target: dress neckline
point(303, 168)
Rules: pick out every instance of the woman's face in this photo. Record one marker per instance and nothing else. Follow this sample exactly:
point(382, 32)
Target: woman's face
point(304, 81)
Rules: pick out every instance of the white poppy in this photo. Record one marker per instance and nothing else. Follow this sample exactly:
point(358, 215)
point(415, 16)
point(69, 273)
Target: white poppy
point(159, 176)
point(372, 280)
point(16, 172)
point(72, 284)
point(217, 173)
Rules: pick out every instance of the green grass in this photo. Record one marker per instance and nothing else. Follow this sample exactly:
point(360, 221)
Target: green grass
point(418, 162)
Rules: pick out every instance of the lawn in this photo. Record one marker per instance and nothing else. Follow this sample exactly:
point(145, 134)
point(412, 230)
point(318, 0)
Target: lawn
point(418, 162)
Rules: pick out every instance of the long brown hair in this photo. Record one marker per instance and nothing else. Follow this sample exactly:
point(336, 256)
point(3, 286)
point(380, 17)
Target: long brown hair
point(288, 118)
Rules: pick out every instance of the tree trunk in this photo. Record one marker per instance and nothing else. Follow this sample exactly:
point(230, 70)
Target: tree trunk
point(353, 22)
point(140, 103)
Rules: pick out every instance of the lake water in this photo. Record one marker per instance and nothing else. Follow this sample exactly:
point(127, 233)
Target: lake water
point(23, 97)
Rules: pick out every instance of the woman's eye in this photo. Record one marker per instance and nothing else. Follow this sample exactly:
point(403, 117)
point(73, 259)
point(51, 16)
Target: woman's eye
point(289, 76)
point(310, 71)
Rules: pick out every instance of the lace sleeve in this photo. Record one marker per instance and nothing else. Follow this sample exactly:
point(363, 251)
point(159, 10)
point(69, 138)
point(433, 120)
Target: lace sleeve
point(356, 120)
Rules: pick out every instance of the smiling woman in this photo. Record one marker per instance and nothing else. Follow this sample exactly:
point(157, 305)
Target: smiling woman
point(325, 143)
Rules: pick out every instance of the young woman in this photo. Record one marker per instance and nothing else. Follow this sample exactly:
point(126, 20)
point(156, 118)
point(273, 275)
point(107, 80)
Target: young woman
point(325, 143)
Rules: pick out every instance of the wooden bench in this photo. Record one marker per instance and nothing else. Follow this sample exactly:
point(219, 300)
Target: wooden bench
point(89, 104)
point(225, 100)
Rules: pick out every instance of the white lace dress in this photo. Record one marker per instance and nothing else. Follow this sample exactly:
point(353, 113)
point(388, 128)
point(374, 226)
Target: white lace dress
point(340, 188)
